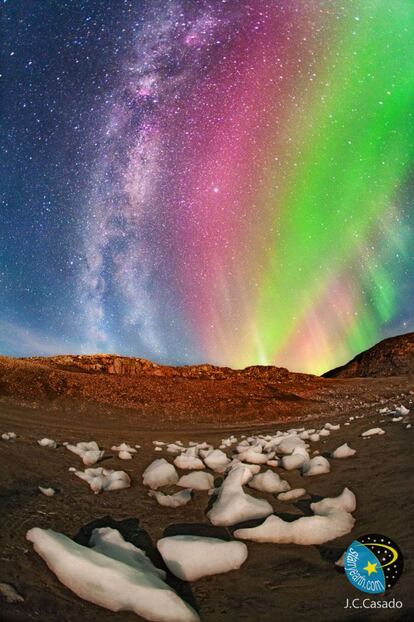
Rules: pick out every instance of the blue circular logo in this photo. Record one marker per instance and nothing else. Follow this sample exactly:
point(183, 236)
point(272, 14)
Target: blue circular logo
point(373, 563)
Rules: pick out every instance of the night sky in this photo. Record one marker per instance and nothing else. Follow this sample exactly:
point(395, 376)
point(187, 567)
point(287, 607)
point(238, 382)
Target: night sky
point(223, 181)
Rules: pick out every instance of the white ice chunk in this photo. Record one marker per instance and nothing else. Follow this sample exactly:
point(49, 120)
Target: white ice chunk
point(92, 457)
point(191, 557)
point(324, 432)
point(291, 495)
point(289, 443)
point(249, 469)
point(233, 505)
point(125, 455)
point(110, 542)
point(159, 473)
point(269, 482)
point(124, 447)
point(198, 480)
point(114, 579)
point(373, 432)
point(305, 530)
point(89, 452)
point(402, 410)
point(316, 466)
point(47, 442)
point(341, 561)
point(273, 463)
point(330, 521)
point(344, 451)
point(8, 436)
point(217, 461)
point(48, 492)
point(294, 461)
point(80, 448)
point(190, 462)
point(173, 448)
point(100, 479)
point(345, 501)
point(242, 446)
point(171, 501)
point(254, 457)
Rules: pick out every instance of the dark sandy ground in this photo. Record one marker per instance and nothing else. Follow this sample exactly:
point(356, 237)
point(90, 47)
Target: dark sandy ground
point(277, 582)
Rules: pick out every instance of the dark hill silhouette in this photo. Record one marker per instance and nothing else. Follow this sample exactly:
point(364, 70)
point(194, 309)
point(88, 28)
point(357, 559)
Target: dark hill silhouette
point(391, 357)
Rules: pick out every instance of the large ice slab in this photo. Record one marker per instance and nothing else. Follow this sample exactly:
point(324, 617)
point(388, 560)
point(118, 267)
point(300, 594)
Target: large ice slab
point(111, 575)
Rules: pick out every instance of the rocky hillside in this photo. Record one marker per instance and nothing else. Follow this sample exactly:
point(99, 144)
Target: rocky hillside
point(113, 364)
point(390, 357)
point(152, 391)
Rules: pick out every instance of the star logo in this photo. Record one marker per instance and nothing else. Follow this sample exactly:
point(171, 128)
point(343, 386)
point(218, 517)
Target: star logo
point(370, 568)
point(384, 563)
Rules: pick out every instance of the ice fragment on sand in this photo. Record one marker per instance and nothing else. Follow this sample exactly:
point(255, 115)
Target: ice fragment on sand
point(191, 557)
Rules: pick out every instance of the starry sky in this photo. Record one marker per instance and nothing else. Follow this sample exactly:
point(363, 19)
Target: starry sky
point(222, 181)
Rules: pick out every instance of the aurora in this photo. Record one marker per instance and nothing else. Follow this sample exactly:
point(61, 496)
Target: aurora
point(245, 193)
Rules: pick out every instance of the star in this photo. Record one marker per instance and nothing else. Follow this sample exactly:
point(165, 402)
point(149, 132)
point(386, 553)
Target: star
point(370, 568)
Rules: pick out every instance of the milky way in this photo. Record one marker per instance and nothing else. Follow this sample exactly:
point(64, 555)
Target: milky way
point(244, 192)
